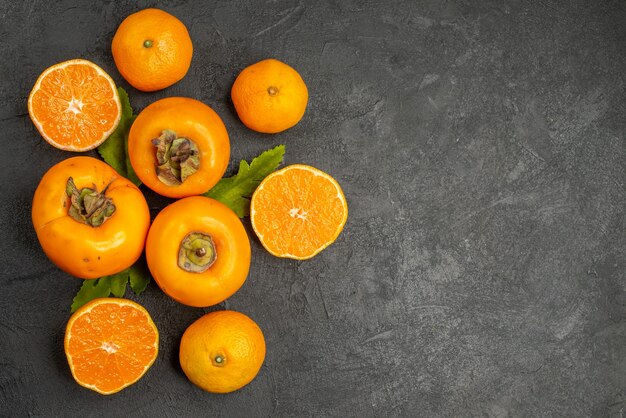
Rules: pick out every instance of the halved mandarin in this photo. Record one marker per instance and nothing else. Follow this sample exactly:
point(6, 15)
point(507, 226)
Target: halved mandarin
point(110, 343)
point(75, 105)
point(298, 211)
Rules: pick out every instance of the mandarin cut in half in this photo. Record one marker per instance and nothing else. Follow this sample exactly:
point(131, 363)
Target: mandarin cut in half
point(298, 211)
point(75, 105)
point(110, 343)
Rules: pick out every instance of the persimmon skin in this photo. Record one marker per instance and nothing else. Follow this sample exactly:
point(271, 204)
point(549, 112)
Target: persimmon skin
point(81, 250)
point(232, 246)
point(189, 118)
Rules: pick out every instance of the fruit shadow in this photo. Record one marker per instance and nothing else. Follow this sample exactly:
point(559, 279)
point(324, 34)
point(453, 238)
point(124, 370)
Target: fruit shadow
point(58, 357)
point(174, 360)
point(235, 126)
point(173, 341)
point(230, 106)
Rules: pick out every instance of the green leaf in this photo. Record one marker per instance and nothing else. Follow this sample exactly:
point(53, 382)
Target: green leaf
point(115, 149)
point(118, 282)
point(139, 277)
point(91, 289)
point(236, 191)
point(131, 175)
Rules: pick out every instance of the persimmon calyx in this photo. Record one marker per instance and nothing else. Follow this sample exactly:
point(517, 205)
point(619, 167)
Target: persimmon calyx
point(197, 252)
point(177, 158)
point(87, 205)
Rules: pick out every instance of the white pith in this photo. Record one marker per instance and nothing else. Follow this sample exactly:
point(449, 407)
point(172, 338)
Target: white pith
point(109, 347)
point(75, 106)
point(297, 213)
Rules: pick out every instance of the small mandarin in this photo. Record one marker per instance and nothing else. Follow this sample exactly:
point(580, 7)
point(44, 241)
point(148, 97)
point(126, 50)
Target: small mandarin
point(222, 351)
point(152, 49)
point(269, 96)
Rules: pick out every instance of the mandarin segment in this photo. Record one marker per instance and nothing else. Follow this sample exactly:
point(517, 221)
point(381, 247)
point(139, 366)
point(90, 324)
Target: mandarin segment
point(56, 84)
point(110, 344)
point(298, 211)
point(81, 79)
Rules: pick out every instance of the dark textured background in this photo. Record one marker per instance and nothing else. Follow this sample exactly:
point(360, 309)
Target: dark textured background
point(481, 146)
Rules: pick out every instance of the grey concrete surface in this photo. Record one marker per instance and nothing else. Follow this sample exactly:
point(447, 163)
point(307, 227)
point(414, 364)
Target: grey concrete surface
point(481, 146)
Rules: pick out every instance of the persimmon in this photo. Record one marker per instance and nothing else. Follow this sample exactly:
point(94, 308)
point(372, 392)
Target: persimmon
point(179, 147)
point(198, 251)
point(90, 221)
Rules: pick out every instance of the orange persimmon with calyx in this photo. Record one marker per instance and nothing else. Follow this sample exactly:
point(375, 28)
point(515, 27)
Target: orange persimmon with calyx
point(90, 221)
point(179, 147)
point(198, 251)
